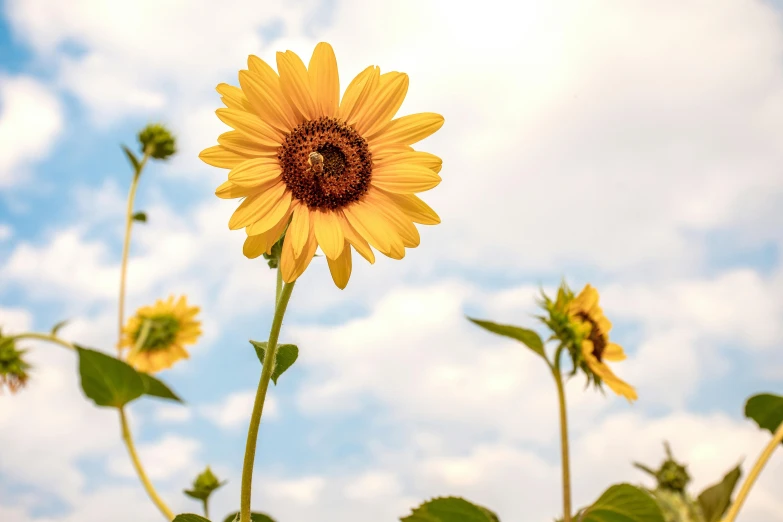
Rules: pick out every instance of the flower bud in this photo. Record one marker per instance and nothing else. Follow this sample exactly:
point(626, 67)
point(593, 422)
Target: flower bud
point(206, 482)
point(13, 368)
point(156, 139)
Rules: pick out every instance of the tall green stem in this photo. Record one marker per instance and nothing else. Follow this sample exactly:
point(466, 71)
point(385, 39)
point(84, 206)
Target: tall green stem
point(557, 374)
point(258, 404)
point(777, 438)
point(126, 246)
point(126, 437)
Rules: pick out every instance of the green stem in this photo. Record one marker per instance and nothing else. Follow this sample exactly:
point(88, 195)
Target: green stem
point(128, 439)
point(258, 404)
point(557, 374)
point(279, 285)
point(777, 438)
point(206, 508)
point(44, 337)
point(126, 245)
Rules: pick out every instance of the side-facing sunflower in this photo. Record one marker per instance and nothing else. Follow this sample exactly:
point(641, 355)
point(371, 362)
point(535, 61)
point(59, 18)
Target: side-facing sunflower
point(156, 336)
point(596, 348)
point(326, 172)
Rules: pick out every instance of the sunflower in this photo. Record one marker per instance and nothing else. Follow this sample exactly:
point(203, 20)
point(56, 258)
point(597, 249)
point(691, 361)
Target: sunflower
point(157, 334)
point(329, 173)
point(596, 348)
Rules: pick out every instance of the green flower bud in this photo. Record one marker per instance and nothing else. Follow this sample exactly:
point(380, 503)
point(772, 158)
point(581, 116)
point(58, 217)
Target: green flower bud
point(13, 368)
point(156, 139)
point(205, 483)
point(671, 475)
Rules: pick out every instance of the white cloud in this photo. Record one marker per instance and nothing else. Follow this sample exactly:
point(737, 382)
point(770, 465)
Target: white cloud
point(172, 413)
point(168, 457)
point(372, 485)
point(234, 410)
point(6, 232)
point(30, 120)
point(15, 320)
point(304, 490)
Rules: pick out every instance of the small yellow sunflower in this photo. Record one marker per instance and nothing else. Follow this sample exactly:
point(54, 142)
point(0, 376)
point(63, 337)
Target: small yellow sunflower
point(596, 347)
point(156, 336)
point(326, 172)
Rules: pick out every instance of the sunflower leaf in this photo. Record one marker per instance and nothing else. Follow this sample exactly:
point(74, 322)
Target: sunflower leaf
point(623, 503)
point(527, 337)
point(132, 158)
point(284, 358)
point(140, 216)
point(156, 388)
point(254, 517)
point(715, 500)
point(190, 517)
point(766, 409)
point(450, 509)
point(107, 381)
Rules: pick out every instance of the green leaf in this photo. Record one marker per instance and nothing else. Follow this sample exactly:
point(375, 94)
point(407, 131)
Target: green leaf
point(450, 509)
point(284, 358)
point(132, 158)
point(527, 337)
point(623, 503)
point(106, 380)
point(156, 388)
point(715, 500)
point(766, 409)
point(190, 517)
point(254, 517)
point(56, 328)
point(141, 217)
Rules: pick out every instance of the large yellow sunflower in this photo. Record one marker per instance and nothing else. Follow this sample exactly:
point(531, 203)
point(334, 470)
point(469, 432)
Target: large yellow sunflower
point(157, 334)
point(333, 173)
point(596, 347)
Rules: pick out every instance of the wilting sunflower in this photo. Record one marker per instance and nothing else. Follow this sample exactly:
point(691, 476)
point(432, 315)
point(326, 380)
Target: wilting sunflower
point(157, 334)
point(326, 172)
point(596, 348)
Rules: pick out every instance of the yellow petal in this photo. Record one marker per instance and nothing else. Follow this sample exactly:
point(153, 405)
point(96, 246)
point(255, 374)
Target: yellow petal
point(257, 206)
point(233, 97)
point(372, 226)
point(413, 207)
point(404, 179)
point(418, 158)
point(221, 157)
point(405, 228)
point(272, 216)
point(292, 266)
point(263, 243)
point(229, 190)
point(256, 172)
point(300, 228)
point(340, 267)
point(296, 84)
point(263, 102)
point(328, 233)
point(237, 142)
point(408, 129)
point(270, 83)
point(324, 80)
point(613, 352)
point(250, 126)
point(383, 104)
point(383, 151)
point(358, 93)
point(358, 242)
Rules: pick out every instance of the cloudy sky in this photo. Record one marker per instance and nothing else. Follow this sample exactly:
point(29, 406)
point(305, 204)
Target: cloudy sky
point(631, 144)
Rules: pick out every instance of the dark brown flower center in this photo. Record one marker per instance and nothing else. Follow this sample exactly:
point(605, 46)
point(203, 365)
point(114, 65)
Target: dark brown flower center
point(596, 336)
point(337, 175)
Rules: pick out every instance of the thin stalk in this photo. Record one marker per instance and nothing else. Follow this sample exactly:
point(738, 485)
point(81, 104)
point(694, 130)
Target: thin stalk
point(777, 438)
point(557, 374)
point(44, 337)
point(258, 404)
point(126, 246)
point(206, 508)
point(128, 439)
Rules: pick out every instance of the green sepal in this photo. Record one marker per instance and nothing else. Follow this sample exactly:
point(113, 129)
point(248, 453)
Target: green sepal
point(715, 500)
point(766, 409)
point(284, 358)
point(450, 509)
point(527, 337)
point(623, 503)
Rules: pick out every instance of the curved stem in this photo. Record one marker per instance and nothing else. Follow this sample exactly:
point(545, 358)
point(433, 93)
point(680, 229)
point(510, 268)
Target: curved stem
point(126, 247)
point(556, 373)
point(44, 337)
point(777, 438)
point(258, 404)
point(126, 437)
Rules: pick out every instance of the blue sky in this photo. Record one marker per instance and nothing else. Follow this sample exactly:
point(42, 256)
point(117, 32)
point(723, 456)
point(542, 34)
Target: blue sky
point(636, 149)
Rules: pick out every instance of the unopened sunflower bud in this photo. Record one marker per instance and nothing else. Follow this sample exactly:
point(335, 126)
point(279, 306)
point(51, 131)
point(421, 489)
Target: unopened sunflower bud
point(157, 139)
point(206, 482)
point(671, 475)
point(13, 368)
